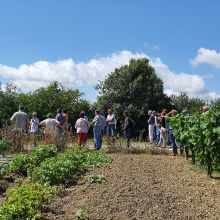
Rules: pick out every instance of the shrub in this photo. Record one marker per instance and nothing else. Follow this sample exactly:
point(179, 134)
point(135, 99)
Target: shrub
point(96, 178)
point(20, 164)
point(3, 170)
point(41, 153)
point(25, 202)
point(4, 145)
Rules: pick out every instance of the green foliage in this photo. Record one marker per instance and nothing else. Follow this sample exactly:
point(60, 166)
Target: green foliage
point(134, 87)
point(96, 178)
point(67, 167)
point(41, 153)
point(43, 101)
point(201, 133)
point(22, 162)
point(184, 102)
point(25, 202)
point(83, 213)
point(4, 169)
point(4, 145)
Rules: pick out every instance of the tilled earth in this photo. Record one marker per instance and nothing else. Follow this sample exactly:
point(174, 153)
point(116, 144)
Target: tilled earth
point(142, 187)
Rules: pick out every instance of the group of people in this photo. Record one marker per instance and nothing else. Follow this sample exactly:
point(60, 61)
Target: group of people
point(52, 126)
point(160, 129)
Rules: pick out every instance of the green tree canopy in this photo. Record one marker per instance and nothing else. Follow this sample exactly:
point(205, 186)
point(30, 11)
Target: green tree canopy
point(134, 87)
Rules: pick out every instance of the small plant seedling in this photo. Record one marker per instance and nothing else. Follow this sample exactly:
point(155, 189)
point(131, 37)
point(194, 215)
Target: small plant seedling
point(96, 178)
point(83, 213)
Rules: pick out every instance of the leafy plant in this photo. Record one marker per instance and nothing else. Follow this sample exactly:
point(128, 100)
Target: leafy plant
point(20, 164)
point(83, 213)
point(4, 145)
point(26, 201)
point(96, 178)
point(4, 169)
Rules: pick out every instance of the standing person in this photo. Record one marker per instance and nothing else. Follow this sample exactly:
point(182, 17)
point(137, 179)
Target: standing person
point(60, 119)
point(163, 130)
point(20, 120)
point(128, 126)
point(151, 121)
point(34, 123)
point(173, 113)
point(103, 118)
point(82, 126)
point(65, 117)
point(111, 124)
point(50, 125)
point(97, 128)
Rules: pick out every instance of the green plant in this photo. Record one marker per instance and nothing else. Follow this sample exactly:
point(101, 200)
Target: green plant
point(4, 145)
point(20, 164)
point(96, 178)
point(83, 213)
point(41, 153)
point(26, 201)
point(4, 170)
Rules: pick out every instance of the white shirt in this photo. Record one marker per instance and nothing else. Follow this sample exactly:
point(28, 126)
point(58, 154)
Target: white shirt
point(111, 119)
point(82, 125)
point(34, 124)
point(50, 124)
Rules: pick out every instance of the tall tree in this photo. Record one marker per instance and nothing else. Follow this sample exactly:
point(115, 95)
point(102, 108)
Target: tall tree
point(134, 87)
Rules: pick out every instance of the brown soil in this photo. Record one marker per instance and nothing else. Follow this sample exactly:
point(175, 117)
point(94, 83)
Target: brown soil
point(142, 187)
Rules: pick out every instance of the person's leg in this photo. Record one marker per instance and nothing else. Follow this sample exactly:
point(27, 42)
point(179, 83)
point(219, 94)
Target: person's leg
point(79, 140)
point(173, 142)
point(157, 134)
point(163, 137)
point(151, 133)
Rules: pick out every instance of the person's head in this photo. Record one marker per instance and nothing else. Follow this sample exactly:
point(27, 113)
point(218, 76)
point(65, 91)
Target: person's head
point(59, 111)
point(173, 112)
point(165, 110)
point(64, 111)
point(34, 114)
point(163, 114)
point(154, 113)
point(49, 115)
point(125, 113)
point(97, 112)
point(82, 114)
point(109, 111)
point(205, 109)
point(21, 108)
point(149, 112)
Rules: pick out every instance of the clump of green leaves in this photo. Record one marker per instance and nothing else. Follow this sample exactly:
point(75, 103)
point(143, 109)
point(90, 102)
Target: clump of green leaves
point(67, 168)
point(22, 162)
point(4, 170)
point(4, 145)
point(26, 201)
point(96, 178)
point(83, 213)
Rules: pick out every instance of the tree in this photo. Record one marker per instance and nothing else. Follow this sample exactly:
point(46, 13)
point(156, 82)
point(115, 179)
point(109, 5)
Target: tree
point(134, 87)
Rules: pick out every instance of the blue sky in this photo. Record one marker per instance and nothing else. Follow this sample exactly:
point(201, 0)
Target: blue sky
point(79, 42)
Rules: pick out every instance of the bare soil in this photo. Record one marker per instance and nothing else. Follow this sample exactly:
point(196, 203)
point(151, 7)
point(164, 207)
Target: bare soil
point(142, 187)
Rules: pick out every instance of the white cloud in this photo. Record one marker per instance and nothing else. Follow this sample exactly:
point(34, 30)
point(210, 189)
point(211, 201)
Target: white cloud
point(207, 56)
point(87, 74)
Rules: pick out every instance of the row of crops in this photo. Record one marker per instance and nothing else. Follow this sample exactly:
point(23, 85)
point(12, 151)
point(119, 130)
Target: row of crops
point(43, 172)
point(200, 135)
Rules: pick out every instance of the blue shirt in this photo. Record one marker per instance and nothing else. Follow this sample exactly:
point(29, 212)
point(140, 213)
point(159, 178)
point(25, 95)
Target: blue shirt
point(60, 118)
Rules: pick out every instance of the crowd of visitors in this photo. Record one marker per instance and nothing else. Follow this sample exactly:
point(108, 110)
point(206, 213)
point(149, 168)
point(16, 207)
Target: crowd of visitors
point(160, 132)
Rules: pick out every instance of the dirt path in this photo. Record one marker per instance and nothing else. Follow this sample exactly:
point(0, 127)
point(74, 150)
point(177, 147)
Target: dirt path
point(143, 187)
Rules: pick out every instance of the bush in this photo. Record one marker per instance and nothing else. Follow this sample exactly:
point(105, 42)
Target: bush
point(41, 153)
point(4, 145)
point(25, 202)
point(67, 167)
point(4, 169)
point(20, 164)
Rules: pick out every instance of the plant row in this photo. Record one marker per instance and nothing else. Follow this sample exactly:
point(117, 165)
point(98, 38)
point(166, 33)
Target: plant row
point(49, 170)
point(199, 133)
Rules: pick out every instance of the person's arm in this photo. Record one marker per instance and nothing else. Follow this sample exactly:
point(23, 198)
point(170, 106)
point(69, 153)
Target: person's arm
point(126, 123)
point(43, 123)
point(13, 118)
point(94, 120)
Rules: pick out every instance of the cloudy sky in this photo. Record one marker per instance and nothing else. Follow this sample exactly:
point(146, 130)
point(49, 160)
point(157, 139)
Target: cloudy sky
point(79, 42)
